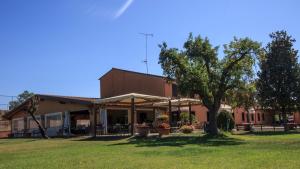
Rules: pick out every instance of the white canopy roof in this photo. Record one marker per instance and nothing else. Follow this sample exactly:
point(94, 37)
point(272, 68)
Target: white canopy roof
point(126, 99)
point(179, 102)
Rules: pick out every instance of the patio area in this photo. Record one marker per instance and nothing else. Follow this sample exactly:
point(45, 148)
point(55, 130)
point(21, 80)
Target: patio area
point(121, 114)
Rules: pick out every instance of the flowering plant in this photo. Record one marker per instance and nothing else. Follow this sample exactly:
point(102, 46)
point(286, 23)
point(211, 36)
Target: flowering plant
point(164, 125)
point(186, 129)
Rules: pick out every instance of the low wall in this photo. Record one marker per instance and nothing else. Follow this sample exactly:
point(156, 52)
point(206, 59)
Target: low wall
point(4, 134)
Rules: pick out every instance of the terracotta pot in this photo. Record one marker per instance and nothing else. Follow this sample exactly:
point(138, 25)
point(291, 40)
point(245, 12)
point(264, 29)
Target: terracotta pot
point(163, 131)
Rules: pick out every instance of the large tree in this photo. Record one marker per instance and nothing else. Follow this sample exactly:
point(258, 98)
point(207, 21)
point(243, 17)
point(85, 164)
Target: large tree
point(278, 83)
point(199, 71)
point(20, 99)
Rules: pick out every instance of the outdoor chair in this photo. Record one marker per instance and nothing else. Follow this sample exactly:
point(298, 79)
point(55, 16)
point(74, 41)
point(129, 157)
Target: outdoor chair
point(35, 133)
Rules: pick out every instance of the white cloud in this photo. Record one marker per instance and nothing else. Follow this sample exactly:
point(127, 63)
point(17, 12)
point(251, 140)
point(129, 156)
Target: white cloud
point(123, 8)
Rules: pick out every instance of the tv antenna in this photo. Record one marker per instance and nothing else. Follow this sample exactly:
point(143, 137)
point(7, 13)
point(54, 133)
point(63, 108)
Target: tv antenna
point(146, 38)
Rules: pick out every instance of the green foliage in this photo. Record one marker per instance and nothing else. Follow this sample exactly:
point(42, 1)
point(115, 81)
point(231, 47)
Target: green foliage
point(185, 117)
point(279, 83)
point(162, 118)
point(244, 97)
point(20, 99)
point(198, 70)
point(225, 121)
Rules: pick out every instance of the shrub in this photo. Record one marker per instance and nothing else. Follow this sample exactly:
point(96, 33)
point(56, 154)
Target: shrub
point(225, 121)
point(185, 118)
point(186, 129)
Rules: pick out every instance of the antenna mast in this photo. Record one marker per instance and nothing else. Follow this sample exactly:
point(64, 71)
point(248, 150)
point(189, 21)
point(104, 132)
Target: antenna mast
point(146, 59)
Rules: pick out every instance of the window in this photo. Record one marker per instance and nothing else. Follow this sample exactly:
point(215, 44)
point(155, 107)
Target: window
point(232, 115)
point(4, 125)
point(263, 117)
point(243, 116)
point(174, 90)
point(53, 120)
point(18, 124)
point(31, 124)
point(82, 123)
point(258, 116)
point(207, 116)
point(252, 117)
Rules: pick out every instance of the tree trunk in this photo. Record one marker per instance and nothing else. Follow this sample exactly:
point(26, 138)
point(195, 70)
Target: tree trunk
point(42, 130)
point(213, 128)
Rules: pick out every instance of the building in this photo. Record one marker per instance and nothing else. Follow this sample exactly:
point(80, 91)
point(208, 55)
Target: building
point(118, 82)
point(5, 127)
point(126, 98)
point(54, 113)
point(256, 116)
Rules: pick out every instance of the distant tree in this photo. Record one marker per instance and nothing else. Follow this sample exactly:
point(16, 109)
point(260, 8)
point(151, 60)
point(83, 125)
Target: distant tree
point(198, 70)
point(278, 83)
point(20, 99)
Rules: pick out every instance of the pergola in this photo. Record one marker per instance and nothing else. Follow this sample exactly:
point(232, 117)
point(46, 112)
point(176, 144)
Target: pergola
point(133, 100)
point(181, 102)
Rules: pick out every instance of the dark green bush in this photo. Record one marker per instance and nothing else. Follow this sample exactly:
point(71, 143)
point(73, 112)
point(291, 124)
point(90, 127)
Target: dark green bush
point(225, 121)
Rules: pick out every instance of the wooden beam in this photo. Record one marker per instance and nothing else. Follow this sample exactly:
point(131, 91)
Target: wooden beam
point(132, 116)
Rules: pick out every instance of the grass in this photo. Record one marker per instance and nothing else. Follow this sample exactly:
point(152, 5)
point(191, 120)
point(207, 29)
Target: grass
point(257, 150)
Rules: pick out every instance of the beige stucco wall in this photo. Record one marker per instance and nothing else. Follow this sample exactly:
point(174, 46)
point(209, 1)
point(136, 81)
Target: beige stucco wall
point(46, 107)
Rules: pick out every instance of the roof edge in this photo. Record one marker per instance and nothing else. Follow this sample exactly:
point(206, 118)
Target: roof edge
point(73, 99)
point(135, 72)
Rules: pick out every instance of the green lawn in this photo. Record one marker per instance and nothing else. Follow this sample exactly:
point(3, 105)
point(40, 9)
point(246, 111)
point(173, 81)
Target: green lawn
point(185, 151)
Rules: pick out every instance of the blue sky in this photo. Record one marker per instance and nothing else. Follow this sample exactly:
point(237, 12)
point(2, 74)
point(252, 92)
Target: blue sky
point(64, 46)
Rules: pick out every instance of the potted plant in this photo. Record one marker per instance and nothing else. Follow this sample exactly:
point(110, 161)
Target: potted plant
point(143, 129)
point(161, 125)
point(163, 129)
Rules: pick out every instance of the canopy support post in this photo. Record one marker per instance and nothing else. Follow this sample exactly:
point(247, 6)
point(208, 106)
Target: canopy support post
point(190, 113)
point(170, 111)
point(132, 116)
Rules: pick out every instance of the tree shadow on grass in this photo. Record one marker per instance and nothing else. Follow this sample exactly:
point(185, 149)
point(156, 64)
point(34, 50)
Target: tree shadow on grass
point(8, 140)
point(269, 133)
point(208, 140)
point(103, 138)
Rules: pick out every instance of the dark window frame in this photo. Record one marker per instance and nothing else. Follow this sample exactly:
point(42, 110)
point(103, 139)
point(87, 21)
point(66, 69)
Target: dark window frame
point(243, 116)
